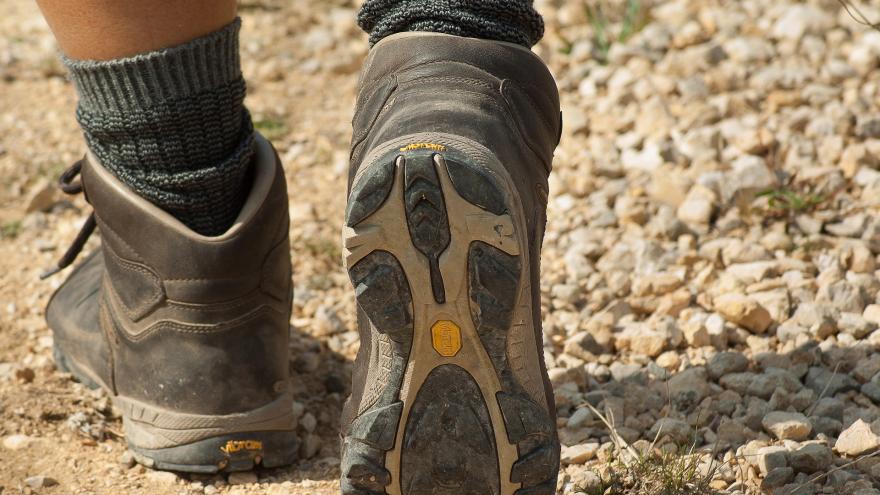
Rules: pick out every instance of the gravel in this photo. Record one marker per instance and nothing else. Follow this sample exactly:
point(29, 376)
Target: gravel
point(709, 267)
point(787, 426)
point(860, 438)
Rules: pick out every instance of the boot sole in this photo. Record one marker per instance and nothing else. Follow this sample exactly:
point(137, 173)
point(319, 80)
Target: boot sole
point(437, 251)
point(201, 443)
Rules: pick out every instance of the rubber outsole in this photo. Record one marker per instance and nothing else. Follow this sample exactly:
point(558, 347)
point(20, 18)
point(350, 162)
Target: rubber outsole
point(435, 248)
point(241, 451)
point(225, 453)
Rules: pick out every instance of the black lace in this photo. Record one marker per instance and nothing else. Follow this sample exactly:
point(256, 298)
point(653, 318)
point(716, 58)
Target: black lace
point(66, 183)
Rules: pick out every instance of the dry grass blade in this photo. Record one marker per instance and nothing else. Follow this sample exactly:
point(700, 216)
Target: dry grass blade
point(615, 437)
point(857, 14)
point(657, 473)
point(824, 390)
point(819, 476)
point(653, 472)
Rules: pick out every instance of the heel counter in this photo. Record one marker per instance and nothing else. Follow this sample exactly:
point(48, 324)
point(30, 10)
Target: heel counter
point(220, 368)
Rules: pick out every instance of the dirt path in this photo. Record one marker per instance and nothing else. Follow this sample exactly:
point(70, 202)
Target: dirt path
point(301, 91)
point(710, 269)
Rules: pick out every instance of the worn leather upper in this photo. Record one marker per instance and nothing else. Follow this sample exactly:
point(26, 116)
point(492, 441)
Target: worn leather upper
point(174, 319)
point(498, 94)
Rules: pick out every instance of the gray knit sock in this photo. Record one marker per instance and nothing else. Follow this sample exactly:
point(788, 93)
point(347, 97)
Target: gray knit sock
point(172, 125)
point(514, 21)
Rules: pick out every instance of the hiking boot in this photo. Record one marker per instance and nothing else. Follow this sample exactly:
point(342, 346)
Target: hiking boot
point(189, 334)
point(453, 143)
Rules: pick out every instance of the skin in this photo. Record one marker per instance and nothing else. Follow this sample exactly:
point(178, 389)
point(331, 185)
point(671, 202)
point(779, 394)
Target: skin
point(109, 29)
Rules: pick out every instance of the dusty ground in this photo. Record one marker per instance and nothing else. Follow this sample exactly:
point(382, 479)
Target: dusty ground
point(710, 262)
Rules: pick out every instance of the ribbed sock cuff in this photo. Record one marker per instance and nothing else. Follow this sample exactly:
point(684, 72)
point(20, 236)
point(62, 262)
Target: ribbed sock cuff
point(145, 80)
point(513, 21)
point(172, 125)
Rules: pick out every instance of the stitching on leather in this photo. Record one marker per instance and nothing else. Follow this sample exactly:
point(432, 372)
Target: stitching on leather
point(401, 69)
point(104, 226)
point(448, 61)
point(157, 293)
point(474, 150)
point(221, 306)
point(359, 138)
point(270, 254)
point(371, 87)
point(392, 98)
point(523, 84)
point(505, 111)
point(106, 322)
point(403, 95)
point(363, 106)
point(182, 328)
point(492, 101)
point(393, 83)
point(370, 95)
point(537, 89)
point(215, 328)
point(500, 92)
point(464, 80)
point(193, 329)
point(113, 300)
point(531, 102)
point(165, 419)
point(533, 89)
point(529, 142)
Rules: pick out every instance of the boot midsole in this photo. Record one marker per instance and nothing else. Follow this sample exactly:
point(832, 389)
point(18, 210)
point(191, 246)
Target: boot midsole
point(151, 427)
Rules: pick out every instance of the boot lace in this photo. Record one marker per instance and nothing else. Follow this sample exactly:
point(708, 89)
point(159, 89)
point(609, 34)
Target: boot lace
point(69, 185)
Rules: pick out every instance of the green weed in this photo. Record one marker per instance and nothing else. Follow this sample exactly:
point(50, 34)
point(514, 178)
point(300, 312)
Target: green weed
point(324, 248)
point(271, 128)
point(784, 201)
point(10, 229)
point(649, 470)
point(632, 20)
point(655, 473)
point(259, 6)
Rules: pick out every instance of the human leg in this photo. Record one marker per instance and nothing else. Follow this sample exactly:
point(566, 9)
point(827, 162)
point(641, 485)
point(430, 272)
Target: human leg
point(162, 100)
point(183, 313)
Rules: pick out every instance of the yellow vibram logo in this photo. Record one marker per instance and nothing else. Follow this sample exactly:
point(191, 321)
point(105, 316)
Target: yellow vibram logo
point(234, 446)
point(446, 338)
point(423, 146)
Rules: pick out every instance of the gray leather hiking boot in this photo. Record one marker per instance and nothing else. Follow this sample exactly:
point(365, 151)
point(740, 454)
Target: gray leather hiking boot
point(189, 334)
point(453, 143)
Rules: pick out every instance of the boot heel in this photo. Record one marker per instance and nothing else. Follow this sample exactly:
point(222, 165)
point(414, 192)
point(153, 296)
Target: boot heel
point(169, 440)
